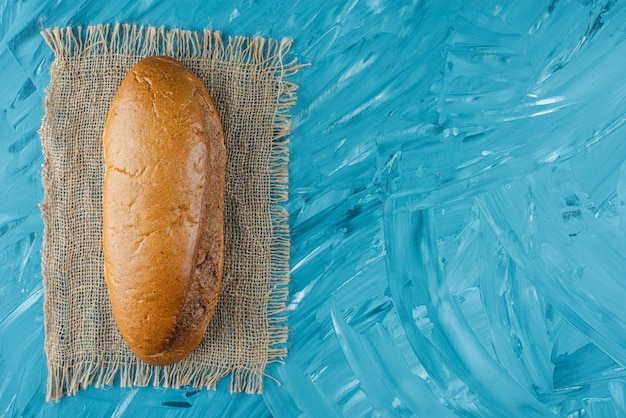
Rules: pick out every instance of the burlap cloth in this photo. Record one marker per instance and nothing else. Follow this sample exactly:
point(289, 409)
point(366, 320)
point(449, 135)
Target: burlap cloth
point(246, 79)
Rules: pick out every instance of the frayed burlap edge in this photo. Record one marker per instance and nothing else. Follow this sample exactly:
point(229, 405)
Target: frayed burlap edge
point(68, 378)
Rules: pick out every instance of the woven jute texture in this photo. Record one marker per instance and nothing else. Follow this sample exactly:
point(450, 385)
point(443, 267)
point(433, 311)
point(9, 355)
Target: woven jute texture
point(246, 77)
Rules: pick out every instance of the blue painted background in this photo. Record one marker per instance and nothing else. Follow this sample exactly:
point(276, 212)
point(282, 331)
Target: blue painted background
point(457, 201)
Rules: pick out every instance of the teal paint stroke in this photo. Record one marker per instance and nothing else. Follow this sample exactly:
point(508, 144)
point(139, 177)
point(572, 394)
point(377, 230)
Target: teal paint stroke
point(457, 209)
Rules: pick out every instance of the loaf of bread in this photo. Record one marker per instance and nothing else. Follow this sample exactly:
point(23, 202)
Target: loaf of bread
point(163, 201)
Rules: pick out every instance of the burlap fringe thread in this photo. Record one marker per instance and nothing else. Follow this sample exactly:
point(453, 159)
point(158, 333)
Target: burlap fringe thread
point(67, 379)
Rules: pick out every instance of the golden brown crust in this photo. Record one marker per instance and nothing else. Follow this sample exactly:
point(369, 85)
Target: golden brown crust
point(163, 198)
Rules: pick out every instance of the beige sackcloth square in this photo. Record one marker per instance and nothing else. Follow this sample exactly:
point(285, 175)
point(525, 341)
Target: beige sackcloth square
point(246, 79)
